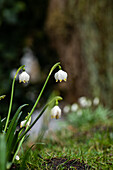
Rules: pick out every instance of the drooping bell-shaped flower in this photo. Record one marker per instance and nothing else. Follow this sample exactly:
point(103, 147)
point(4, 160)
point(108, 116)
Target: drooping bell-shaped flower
point(61, 75)
point(55, 112)
point(24, 77)
point(22, 124)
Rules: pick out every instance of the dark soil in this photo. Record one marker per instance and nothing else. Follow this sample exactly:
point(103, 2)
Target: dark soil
point(64, 163)
point(60, 164)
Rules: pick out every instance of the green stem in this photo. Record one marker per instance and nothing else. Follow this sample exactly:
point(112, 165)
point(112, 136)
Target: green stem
point(19, 147)
point(11, 100)
point(32, 110)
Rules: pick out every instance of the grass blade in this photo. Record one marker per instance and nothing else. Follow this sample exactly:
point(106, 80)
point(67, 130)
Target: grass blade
point(14, 122)
point(2, 152)
point(11, 136)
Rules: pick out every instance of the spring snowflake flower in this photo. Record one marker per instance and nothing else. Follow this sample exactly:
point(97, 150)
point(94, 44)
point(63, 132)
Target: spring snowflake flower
point(84, 102)
point(55, 112)
point(96, 101)
point(66, 109)
point(22, 124)
point(60, 75)
point(24, 77)
point(74, 107)
point(17, 158)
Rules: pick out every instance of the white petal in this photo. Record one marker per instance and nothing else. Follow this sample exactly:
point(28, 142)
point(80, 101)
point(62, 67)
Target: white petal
point(24, 77)
point(22, 123)
point(55, 112)
point(61, 75)
point(17, 158)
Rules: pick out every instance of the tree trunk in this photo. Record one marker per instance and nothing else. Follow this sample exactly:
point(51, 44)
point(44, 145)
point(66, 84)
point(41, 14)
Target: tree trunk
point(65, 38)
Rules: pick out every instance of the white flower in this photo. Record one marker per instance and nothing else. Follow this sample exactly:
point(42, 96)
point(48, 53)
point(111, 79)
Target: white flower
point(17, 158)
point(22, 124)
point(83, 101)
point(96, 101)
point(24, 77)
point(55, 112)
point(66, 109)
point(74, 107)
point(61, 75)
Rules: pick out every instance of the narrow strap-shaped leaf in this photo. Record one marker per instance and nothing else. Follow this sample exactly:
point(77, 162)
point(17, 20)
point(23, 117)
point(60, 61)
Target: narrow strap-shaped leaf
point(14, 122)
point(0, 125)
point(25, 158)
point(2, 97)
point(2, 152)
point(2, 120)
point(11, 136)
point(11, 140)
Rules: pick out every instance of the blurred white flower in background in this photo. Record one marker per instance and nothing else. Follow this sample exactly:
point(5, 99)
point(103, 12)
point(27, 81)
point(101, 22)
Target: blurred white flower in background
point(74, 107)
point(56, 112)
point(24, 77)
point(60, 75)
point(31, 65)
point(96, 101)
point(84, 102)
point(66, 109)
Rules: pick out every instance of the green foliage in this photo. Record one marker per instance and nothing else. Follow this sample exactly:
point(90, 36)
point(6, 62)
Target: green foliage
point(2, 152)
point(93, 145)
point(2, 97)
point(11, 139)
point(11, 135)
point(88, 116)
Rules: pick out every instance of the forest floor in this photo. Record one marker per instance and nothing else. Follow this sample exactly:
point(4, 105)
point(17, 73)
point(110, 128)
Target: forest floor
point(84, 147)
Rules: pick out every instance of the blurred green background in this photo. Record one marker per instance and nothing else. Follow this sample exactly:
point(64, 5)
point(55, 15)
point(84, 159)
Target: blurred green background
point(79, 34)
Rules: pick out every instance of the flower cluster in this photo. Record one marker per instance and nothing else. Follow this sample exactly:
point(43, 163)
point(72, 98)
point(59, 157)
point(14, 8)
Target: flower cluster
point(13, 141)
point(56, 111)
point(83, 102)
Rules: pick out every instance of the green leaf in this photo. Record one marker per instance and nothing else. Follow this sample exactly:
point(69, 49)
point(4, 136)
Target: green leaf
point(14, 121)
point(0, 125)
point(2, 97)
point(2, 152)
point(11, 135)
point(2, 121)
point(25, 158)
